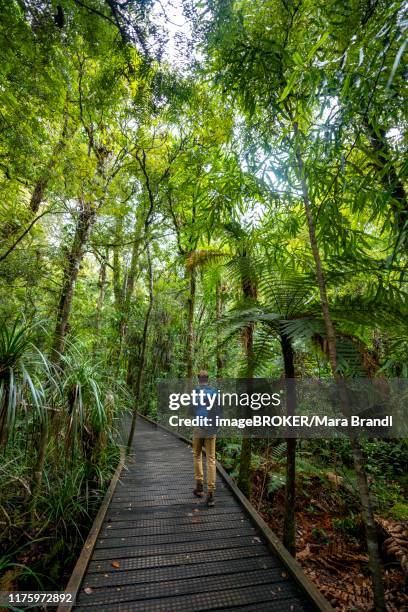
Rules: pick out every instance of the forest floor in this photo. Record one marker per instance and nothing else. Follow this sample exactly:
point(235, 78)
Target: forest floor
point(335, 560)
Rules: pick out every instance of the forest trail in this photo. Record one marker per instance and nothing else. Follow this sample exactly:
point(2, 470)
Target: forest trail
point(159, 548)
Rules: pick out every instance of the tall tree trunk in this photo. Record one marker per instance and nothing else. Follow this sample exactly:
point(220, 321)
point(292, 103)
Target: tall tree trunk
point(289, 522)
point(134, 259)
point(73, 261)
point(117, 290)
point(101, 298)
point(190, 323)
point(218, 313)
point(142, 362)
point(366, 505)
point(244, 476)
point(102, 286)
point(128, 293)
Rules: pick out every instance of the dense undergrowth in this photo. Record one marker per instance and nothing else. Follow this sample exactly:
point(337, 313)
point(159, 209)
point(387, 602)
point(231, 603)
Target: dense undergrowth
point(39, 552)
point(330, 538)
point(60, 436)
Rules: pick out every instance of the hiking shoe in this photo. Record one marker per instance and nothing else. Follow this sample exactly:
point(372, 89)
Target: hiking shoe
point(210, 499)
point(199, 489)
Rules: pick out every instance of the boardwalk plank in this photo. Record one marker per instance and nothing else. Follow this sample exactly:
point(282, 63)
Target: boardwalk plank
point(277, 601)
point(176, 572)
point(180, 536)
point(169, 559)
point(202, 584)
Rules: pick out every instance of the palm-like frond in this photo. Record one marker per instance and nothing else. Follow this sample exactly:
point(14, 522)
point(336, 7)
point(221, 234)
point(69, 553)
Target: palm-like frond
point(384, 311)
point(200, 258)
point(27, 378)
point(263, 348)
point(303, 328)
point(82, 387)
point(14, 342)
point(288, 294)
point(243, 268)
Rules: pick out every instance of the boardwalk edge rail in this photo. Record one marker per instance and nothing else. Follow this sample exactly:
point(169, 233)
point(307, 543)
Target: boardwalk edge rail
point(82, 563)
point(273, 542)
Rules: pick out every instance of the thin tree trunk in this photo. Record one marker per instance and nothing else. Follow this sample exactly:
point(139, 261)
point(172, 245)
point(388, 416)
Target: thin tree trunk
point(131, 276)
point(139, 378)
point(218, 314)
point(244, 476)
point(73, 261)
point(4, 415)
point(289, 522)
point(190, 324)
point(101, 298)
point(117, 291)
point(128, 294)
point(367, 510)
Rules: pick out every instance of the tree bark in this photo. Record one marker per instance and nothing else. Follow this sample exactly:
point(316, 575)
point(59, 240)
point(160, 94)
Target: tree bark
point(101, 297)
point(375, 565)
point(289, 522)
point(244, 476)
point(73, 261)
point(190, 324)
point(218, 313)
point(128, 289)
point(4, 413)
point(142, 362)
point(117, 290)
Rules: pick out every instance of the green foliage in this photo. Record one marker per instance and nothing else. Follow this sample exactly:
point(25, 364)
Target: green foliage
point(350, 524)
point(27, 378)
point(275, 482)
point(152, 214)
point(399, 511)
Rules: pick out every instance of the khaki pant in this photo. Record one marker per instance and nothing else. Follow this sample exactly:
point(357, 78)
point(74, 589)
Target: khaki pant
point(209, 445)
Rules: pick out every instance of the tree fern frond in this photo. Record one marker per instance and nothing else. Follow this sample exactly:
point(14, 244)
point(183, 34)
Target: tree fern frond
point(205, 257)
point(289, 294)
point(303, 328)
point(384, 311)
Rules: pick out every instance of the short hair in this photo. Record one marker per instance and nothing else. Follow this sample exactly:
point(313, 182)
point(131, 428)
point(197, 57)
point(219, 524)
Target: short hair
point(203, 375)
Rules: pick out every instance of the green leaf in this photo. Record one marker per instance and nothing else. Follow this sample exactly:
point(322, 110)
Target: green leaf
point(317, 46)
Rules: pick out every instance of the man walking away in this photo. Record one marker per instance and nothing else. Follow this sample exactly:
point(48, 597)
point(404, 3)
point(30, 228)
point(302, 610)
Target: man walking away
point(206, 437)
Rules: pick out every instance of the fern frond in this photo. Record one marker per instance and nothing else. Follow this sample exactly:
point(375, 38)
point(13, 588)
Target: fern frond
point(200, 258)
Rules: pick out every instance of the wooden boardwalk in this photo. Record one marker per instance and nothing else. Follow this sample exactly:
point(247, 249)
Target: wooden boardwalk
point(161, 549)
